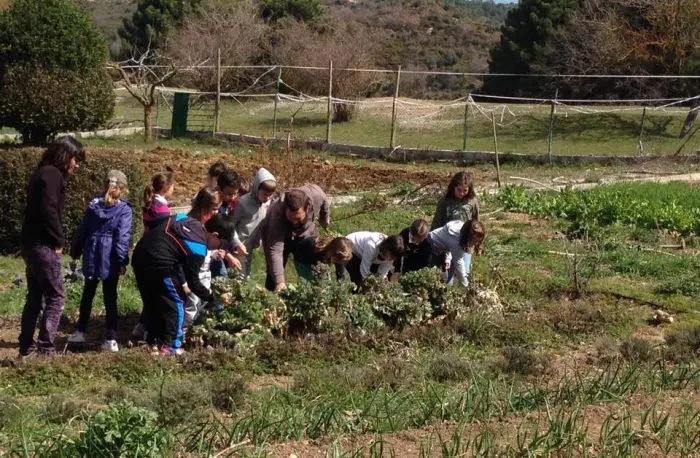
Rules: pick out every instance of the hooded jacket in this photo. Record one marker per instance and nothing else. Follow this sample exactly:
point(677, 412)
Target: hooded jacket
point(43, 215)
point(103, 238)
point(446, 239)
point(276, 229)
point(175, 249)
point(250, 213)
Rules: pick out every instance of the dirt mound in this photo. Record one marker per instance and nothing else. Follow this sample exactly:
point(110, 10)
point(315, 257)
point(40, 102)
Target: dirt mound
point(290, 168)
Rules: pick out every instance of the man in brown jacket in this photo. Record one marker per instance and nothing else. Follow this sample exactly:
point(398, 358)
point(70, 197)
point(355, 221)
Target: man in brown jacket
point(289, 222)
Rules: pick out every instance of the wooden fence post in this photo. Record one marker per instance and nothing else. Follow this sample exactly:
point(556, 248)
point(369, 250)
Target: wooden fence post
point(465, 137)
point(277, 96)
point(392, 141)
point(641, 131)
point(217, 104)
point(330, 102)
point(495, 149)
point(551, 125)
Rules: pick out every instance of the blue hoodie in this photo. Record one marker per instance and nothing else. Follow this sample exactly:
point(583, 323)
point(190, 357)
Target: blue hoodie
point(103, 238)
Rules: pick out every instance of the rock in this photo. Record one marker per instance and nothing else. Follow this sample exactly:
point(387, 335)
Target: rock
point(659, 317)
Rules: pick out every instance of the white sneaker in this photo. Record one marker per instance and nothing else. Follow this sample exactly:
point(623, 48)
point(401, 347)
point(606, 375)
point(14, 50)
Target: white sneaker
point(77, 337)
point(110, 345)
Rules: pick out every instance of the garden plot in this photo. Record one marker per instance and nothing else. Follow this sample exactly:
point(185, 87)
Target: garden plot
point(574, 364)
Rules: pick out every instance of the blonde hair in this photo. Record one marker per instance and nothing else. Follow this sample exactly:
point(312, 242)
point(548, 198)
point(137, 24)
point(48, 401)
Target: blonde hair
point(116, 187)
point(114, 192)
point(336, 248)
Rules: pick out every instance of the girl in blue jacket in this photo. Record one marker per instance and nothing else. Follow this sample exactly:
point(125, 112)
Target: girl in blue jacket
point(103, 240)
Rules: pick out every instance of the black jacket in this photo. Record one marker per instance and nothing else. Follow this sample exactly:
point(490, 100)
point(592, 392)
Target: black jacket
point(43, 216)
point(417, 256)
point(176, 248)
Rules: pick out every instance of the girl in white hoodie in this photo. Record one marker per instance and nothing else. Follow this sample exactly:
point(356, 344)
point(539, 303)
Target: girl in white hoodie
point(373, 252)
point(249, 214)
point(458, 238)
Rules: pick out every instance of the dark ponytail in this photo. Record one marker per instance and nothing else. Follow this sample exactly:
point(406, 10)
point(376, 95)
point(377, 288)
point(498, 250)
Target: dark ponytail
point(159, 183)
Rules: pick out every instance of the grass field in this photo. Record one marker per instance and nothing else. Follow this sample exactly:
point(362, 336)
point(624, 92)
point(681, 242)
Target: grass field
point(425, 124)
point(573, 368)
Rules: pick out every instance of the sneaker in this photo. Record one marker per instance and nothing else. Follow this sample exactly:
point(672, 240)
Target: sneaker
point(139, 333)
point(110, 345)
point(168, 350)
point(77, 337)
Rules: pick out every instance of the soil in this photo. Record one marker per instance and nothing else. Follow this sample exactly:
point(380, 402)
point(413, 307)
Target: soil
point(291, 169)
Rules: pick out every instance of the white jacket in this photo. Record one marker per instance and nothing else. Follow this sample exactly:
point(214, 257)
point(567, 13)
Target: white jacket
point(364, 246)
point(446, 239)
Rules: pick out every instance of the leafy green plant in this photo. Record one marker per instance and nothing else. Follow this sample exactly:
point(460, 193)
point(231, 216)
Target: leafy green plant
point(673, 206)
point(244, 306)
point(125, 431)
point(392, 304)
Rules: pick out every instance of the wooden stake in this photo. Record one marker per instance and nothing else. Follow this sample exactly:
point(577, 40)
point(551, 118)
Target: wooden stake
point(330, 102)
point(495, 149)
point(277, 96)
point(641, 131)
point(392, 141)
point(465, 138)
point(217, 105)
point(551, 125)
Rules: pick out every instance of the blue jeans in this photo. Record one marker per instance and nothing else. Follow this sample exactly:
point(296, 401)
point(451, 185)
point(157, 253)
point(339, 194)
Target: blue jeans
point(453, 267)
point(218, 268)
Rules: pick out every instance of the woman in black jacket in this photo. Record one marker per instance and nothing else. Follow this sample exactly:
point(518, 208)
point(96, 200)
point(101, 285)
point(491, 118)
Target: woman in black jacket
point(42, 245)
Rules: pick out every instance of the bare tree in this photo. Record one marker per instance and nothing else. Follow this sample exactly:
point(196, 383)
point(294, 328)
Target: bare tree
point(348, 46)
point(233, 27)
point(630, 37)
point(141, 81)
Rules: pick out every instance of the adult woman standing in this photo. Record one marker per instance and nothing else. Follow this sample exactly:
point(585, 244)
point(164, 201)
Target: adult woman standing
point(42, 245)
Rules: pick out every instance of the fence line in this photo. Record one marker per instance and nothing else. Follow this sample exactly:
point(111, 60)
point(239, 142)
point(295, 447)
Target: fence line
point(420, 72)
point(424, 113)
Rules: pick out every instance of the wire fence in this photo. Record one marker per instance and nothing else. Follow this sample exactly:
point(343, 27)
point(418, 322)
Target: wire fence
point(315, 103)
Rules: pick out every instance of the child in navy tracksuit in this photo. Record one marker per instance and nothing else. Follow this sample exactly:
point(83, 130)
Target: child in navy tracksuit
point(166, 263)
point(103, 240)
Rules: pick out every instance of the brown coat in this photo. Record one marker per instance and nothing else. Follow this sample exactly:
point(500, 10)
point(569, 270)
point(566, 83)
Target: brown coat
point(276, 229)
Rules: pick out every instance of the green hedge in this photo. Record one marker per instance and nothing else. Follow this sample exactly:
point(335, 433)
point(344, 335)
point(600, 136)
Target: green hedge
point(16, 166)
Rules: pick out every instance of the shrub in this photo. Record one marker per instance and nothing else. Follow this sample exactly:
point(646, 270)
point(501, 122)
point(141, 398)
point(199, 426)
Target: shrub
point(522, 360)
point(61, 408)
point(16, 167)
point(125, 431)
point(228, 391)
point(638, 350)
point(683, 344)
point(449, 368)
point(53, 76)
point(180, 399)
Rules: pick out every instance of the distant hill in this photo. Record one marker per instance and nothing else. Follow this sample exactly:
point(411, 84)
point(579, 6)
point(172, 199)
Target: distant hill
point(108, 15)
point(439, 35)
